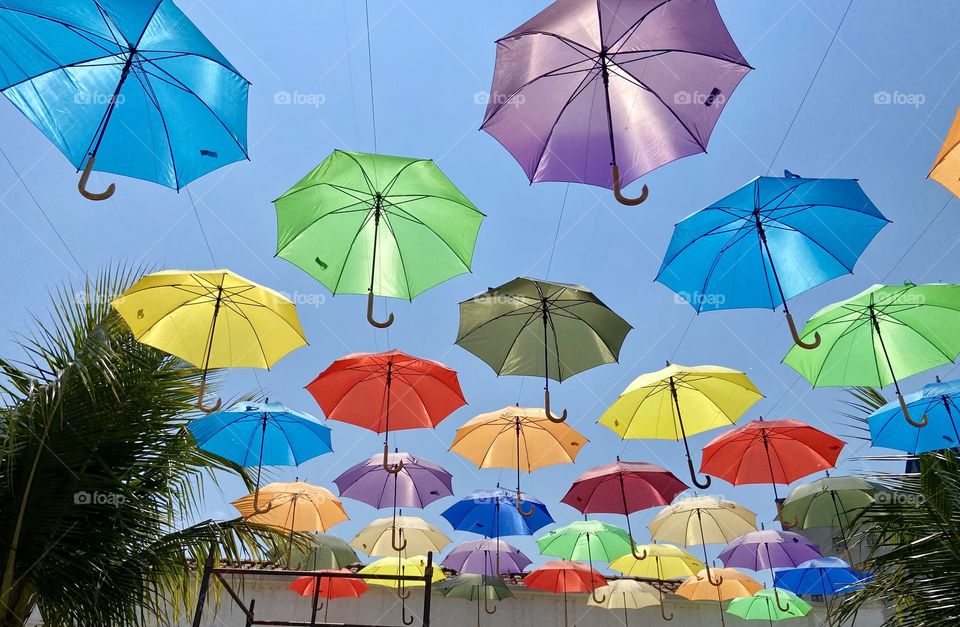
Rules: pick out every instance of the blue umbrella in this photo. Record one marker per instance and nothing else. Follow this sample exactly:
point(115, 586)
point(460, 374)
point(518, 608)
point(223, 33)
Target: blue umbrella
point(937, 402)
point(493, 513)
point(134, 86)
point(770, 240)
point(823, 575)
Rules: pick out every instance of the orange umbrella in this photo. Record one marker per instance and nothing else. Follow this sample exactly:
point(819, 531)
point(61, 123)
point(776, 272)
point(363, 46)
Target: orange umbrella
point(946, 168)
point(733, 585)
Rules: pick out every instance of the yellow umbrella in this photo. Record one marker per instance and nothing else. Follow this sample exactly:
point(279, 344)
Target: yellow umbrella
point(627, 594)
point(411, 566)
point(946, 168)
point(523, 438)
point(662, 561)
point(211, 319)
point(734, 585)
point(710, 397)
point(404, 535)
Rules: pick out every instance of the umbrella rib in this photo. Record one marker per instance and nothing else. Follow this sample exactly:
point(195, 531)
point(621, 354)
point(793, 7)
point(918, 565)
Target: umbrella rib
point(71, 27)
point(341, 211)
point(346, 257)
point(403, 265)
point(65, 66)
point(920, 335)
point(155, 100)
point(510, 348)
point(714, 231)
point(370, 186)
point(396, 177)
point(413, 218)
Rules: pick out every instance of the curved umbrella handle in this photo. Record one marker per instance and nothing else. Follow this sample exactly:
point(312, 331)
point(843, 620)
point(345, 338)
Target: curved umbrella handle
point(393, 540)
point(85, 178)
point(906, 414)
point(789, 525)
point(623, 200)
point(486, 606)
point(710, 577)
point(390, 468)
point(696, 481)
point(205, 409)
point(546, 408)
point(593, 593)
point(256, 500)
point(776, 598)
point(796, 335)
point(663, 613)
point(370, 319)
point(633, 550)
point(403, 612)
point(403, 594)
point(524, 513)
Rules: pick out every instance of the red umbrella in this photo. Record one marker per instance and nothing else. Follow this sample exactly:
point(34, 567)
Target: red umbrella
point(330, 588)
point(564, 576)
point(775, 451)
point(623, 488)
point(384, 391)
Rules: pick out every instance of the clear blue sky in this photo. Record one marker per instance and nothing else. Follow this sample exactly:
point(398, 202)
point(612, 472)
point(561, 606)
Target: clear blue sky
point(431, 59)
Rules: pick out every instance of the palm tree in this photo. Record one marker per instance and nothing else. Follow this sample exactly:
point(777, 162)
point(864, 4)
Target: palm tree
point(914, 536)
point(99, 480)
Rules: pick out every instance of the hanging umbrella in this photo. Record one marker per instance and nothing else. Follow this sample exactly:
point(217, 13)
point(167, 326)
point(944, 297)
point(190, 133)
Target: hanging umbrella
point(771, 240)
point(585, 88)
point(702, 520)
point(517, 329)
point(406, 535)
point(211, 319)
point(628, 595)
point(623, 488)
point(517, 437)
point(415, 566)
point(324, 552)
point(946, 168)
point(882, 335)
point(137, 89)
point(733, 585)
point(826, 576)
point(710, 397)
point(563, 577)
point(419, 483)
point(665, 562)
point(586, 540)
point(769, 549)
point(261, 434)
point(938, 402)
point(374, 224)
point(477, 557)
point(328, 588)
point(770, 451)
point(473, 587)
point(384, 391)
point(764, 606)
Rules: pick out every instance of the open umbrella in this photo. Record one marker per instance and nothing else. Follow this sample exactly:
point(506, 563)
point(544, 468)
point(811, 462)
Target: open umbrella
point(413, 536)
point(517, 437)
point(626, 594)
point(826, 576)
point(211, 319)
point(733, 585)
point(324, 552)
point(881, 336)
point(679, 401)
point(771, 240)
point(586, 540)
point(374, 224)
point(134, 87)
point(765, 605)
point(414, 566)
point(702, 520)
point(946, 167)
point(938, 402)
point(473, 587)
point(384, 391)
point(623, 488)
point(587, 87)
point(538, 328)
point(563, 577)
point(328, 588)
point(477, 557)
point(658, 562)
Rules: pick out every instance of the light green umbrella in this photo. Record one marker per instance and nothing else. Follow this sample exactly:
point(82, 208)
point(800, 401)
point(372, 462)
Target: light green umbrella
point(370, 224)
point(586, 540)
point(763, 606)
point(882, 335)
point(472, 587)
point(538, 328)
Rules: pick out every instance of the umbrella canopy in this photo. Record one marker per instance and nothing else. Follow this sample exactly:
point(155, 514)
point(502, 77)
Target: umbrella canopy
point(624, 594)
point(586, 540)
point(543, 329)
point(136, 87)
point(662, 562)
point(583, 85)
point(211, 319)
point(325, 552)
point(824, 575)
point(938, 402)
point(770, 240)
point(561, 576)
point(384, 391)
point(293, 507)
point(406, 535)
point(472, 587)
point(768, 549)
point(734, 585)
point(679, 401)
point(419, 482)
point(881, 336)
point(375, 224)
point(480, 557)
point(414, 566)
point(494, 514)
point(946, 167)
point(764, 606)
point(330, 587)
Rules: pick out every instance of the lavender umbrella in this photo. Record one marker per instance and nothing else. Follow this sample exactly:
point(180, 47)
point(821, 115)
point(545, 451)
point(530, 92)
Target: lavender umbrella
point(479, 557)
point(588, 91)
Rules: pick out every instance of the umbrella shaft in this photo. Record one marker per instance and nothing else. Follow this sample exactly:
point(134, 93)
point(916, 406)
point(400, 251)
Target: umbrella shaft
point(102, 129)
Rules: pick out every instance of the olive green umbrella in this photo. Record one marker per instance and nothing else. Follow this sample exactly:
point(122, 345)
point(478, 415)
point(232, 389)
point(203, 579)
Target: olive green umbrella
point(323, 552)
point(880, 336)
point(543, 329)
point(473, 587)
point(370, 224)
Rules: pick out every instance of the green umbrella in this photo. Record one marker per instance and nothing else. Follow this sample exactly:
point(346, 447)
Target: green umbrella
point(324, 552)
point(538, 328)
point(881, 335)
point(370, 224)
point(763, 606)
point(586, 540)
point(472, 587)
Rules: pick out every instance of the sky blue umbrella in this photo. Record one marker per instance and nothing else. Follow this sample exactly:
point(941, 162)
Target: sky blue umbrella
point(770, 240)
point(938, 402)
point(133, 85)
point(823, 575)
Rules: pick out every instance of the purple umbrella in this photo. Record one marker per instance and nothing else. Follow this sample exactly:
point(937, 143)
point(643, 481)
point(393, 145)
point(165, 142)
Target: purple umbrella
point(479, 557)
point(602, 91)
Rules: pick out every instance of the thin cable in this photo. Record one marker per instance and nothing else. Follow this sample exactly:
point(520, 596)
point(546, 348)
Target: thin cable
point(809, 88)
point(373, 106)
point(683, 335)
point(42, 212)
point(556, 236)
point(917, 240)
point(200, 224)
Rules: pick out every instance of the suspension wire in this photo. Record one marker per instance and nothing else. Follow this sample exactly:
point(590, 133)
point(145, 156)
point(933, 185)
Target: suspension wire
point(203, 231)
point(373, 107)
point(917, 240)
